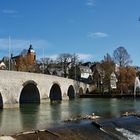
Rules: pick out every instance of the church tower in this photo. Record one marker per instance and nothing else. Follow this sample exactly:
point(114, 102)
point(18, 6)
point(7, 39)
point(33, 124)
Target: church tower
point(31, 56)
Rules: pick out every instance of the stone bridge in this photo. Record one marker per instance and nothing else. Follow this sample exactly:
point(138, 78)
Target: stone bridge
point(24, 87)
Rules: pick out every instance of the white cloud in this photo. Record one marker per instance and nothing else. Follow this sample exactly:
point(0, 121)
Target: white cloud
point(90, 2)
point(84, 57)
point(81, 56)
point(54, 56)
point(97, 35)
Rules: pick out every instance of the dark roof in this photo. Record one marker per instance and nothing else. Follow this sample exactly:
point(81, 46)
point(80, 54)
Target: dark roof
point(86, 64)
point(14, 57)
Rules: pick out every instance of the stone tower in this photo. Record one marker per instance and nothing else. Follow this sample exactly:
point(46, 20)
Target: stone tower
point(31, 55)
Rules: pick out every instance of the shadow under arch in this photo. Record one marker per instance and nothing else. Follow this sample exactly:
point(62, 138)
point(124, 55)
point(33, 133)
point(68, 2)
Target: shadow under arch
point(81, 91)
point(55, 93)
point(29, 93)
point(87, 91)
point(71, 92)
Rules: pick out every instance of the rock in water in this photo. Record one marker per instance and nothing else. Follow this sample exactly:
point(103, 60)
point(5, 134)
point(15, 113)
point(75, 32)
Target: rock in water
point(97, 124)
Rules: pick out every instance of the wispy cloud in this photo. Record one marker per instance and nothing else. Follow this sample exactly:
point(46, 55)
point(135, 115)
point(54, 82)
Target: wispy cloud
point(10, 13)
point(84, 57)
point(7, 11)
point(97, 35)
point(17, 45)
point(39, 45)
point(81, 56)
point(90, 3)
point(53, 56)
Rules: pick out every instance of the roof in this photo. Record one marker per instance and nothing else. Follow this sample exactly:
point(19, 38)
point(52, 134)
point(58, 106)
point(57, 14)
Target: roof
point(14, 57)
point(85, 69)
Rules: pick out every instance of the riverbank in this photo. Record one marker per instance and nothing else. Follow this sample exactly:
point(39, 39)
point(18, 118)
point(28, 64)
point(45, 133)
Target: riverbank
point(122, 128)
point(73, 131)
point(109, 96)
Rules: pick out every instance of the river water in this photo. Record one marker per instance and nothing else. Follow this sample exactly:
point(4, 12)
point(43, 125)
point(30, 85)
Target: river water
point(31, 116)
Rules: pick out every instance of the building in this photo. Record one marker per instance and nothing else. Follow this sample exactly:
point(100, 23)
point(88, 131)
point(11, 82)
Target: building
point(26, 61)
point(86, 74)
point(113, 81)
point(56, 71)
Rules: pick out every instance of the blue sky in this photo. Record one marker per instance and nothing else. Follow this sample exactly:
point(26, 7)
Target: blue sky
point(89, 28)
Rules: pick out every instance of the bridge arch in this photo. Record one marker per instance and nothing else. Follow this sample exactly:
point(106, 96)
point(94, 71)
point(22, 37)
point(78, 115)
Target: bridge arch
point(29, 93)
point(71, 92)
point(55, 93)
point(81, 91)
point(29, 82)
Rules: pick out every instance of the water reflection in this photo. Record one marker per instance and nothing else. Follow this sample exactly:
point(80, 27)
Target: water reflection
point(73, 108)
point(55, 112)
point(29, 115)
point(42, 116)
point(114, 107)
point(10, 121)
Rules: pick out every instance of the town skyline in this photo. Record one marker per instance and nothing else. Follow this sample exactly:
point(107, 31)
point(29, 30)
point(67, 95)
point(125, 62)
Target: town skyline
point(89, 28)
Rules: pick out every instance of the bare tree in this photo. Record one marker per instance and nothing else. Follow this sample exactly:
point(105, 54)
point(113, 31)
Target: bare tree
point(74, 60)
point(74, 72)
point(108, 58)
point(121, 57)
point(64, 59)
point(46, 60)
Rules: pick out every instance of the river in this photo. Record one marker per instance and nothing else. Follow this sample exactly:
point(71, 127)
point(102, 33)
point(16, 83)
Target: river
point(31, 116)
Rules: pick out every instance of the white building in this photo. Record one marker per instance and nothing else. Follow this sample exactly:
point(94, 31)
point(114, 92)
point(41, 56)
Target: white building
point(113, 81)
point(85, 72)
